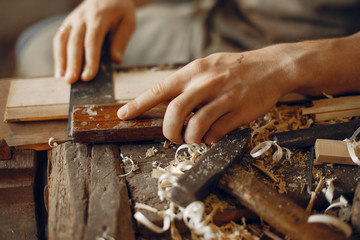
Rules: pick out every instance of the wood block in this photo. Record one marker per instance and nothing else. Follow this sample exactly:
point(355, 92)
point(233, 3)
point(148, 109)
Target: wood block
point(99, 123)
point(86, 197)
point(5, 152)
point(17, 206)
point(332, 151)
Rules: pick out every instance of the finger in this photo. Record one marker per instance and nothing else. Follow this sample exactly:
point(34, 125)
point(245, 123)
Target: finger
point(94, 39)
point(59, 50)
point(178, 110)
point(163, 90)
point(122, 36)
point(75, 53)
point(226, 124)
point(202, 120)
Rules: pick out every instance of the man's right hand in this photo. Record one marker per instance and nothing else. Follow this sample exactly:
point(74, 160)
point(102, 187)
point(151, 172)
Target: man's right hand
point(82, 33)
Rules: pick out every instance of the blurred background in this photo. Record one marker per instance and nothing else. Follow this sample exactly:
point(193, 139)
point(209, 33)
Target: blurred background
point(16, 16)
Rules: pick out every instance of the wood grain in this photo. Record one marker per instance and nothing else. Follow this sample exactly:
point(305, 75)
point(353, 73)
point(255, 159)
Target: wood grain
point(17, 206)
point(332, 151)
point(5, 152)
point(86, 197)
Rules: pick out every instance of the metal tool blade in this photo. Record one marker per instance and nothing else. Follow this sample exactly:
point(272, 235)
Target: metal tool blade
point(196, 183)
point(98, 91)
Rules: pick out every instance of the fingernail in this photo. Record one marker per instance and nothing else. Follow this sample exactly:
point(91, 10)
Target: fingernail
point(122, 112)
point(118, 56)
point(70, 77)
point(59, 73)
point(86, 75)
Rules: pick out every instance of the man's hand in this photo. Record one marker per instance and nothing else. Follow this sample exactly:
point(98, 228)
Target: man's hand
point(82, 34)
point(229, 90)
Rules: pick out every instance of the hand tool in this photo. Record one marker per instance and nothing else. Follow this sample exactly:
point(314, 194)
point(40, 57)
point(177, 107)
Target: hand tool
point(196, 183)
point(274, 208)
point(97, 91)
point(307, 137)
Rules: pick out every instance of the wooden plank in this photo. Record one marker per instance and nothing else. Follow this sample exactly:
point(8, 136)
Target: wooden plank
point(277, 210)
point(332, 151)
point(17, 206)
point(86, 197)
point(5, 152)
point(50, 96)
point(29, 135)
point(99, 123)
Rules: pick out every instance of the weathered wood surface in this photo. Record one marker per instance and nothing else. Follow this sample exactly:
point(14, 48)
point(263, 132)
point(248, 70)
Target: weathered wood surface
point(99, 123)
point(277, 210)
point(5, 152)
point(86, 196)
point(29, 135)
point(17, 206)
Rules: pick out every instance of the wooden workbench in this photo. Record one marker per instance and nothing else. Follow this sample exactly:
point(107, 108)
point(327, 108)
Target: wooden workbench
point(84, 195)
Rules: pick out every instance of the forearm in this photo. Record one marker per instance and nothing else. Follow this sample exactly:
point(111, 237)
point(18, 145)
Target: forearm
point(139, 3)
point(330, 66)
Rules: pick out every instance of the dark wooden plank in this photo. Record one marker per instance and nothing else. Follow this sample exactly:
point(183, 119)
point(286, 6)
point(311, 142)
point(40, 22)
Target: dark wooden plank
point(99, 123)
point(86, 197)
point(5, 152)
point(277, 210)
point(17, 206)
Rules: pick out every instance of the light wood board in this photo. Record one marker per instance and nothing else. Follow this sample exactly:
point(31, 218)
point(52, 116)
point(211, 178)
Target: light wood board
point(48, 98)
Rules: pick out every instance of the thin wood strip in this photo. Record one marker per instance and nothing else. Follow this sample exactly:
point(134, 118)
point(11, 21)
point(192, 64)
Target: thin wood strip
point(338, 114)
point(37, 113)
point(333, 104)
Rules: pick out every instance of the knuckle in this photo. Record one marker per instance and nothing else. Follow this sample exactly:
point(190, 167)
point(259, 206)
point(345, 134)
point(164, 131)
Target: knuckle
point(199, 64)
point(157, 89)
point(175, 107)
